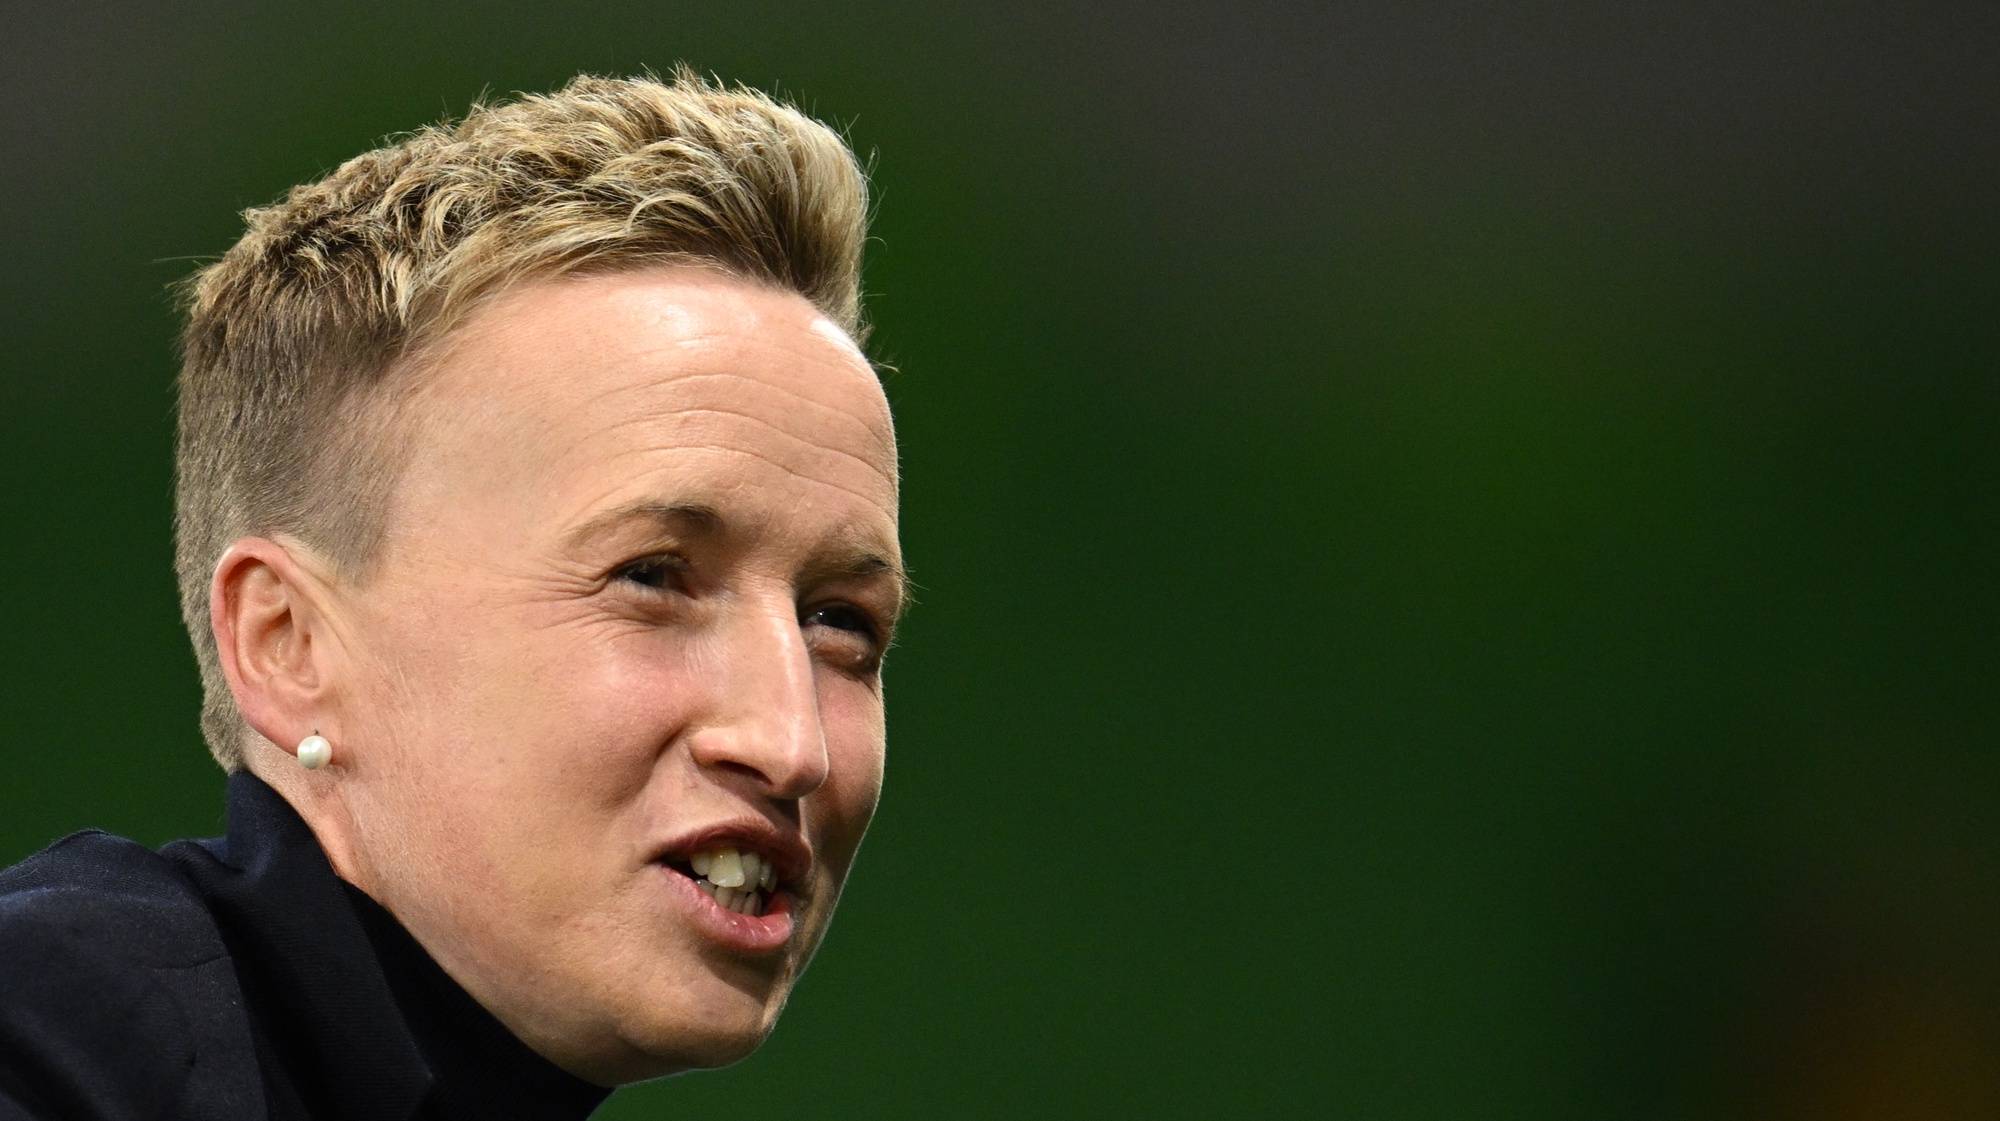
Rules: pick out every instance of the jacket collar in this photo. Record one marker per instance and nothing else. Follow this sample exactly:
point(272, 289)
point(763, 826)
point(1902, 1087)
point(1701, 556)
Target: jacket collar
point(316, 992)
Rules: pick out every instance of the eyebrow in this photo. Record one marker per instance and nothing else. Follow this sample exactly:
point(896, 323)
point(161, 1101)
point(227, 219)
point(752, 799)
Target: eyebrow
point(849, 556)
point(691, 518)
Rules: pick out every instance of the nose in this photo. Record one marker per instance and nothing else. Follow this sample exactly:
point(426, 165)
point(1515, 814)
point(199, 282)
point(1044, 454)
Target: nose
point(766, 721)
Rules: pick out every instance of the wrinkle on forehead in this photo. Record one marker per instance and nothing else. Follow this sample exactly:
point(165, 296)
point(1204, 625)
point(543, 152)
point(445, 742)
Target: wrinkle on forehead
point(707, 424)
point(827, 378)
point(804, 477)
point(613, 385)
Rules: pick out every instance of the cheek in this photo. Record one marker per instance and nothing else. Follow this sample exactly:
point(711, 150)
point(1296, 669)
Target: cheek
point(585, 715)
point(521, 717)
point(548, 755)
point(851, 717)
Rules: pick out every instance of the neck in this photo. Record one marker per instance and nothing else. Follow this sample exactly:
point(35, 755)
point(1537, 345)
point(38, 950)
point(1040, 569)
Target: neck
point(316, 798)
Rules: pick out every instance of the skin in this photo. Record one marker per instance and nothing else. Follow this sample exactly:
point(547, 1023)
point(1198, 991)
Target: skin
point(532, 691)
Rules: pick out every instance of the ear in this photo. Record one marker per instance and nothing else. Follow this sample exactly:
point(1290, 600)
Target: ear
point(274, 638)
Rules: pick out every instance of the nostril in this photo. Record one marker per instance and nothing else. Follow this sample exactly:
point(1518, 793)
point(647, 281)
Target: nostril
point(733, 767)
point(782, 762)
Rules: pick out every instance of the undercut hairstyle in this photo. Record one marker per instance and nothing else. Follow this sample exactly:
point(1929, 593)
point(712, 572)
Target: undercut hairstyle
point(301, 339)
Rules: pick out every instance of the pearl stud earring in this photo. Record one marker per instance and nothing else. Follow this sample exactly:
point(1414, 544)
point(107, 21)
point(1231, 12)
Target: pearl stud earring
point(314, 752)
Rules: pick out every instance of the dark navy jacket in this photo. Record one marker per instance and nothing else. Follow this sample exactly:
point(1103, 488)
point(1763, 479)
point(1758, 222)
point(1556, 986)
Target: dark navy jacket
point(238, 978)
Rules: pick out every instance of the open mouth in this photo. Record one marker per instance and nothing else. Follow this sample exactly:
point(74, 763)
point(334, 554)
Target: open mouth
point(737, 879)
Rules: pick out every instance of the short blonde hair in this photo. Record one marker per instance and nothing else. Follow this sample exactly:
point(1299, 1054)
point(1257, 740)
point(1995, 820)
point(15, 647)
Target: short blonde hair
point(293, 335)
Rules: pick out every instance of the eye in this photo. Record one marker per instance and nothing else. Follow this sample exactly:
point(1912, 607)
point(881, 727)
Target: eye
point(660, 573)
point(843, 616)
point(846, 634)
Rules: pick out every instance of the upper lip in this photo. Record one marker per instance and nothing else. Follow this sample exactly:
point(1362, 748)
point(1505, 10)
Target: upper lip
point(786, 851)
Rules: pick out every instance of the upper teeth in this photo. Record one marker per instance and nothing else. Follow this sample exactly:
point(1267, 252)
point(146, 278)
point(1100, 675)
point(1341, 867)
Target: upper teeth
point(734, 868)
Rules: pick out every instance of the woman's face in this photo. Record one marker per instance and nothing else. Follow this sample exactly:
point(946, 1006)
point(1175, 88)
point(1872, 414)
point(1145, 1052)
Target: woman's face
point(639, 575)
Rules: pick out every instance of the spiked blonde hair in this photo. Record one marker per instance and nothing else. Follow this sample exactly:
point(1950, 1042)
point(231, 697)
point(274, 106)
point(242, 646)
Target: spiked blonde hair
point(299, 337)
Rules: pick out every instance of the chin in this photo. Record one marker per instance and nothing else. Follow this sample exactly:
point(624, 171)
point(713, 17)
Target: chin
point(721, 1032)
point(720, 1049)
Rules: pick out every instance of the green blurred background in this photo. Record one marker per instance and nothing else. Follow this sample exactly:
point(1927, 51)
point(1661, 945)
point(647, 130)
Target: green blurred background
point(1451, 539)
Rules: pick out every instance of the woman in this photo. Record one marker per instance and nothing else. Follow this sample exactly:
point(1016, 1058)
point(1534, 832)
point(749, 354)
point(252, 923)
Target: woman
point(538, 541)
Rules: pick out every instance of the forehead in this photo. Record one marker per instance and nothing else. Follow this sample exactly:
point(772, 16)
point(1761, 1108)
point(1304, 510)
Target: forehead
point(567, 397)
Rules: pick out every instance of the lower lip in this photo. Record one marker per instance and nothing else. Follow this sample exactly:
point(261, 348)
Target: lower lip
point(748, 934)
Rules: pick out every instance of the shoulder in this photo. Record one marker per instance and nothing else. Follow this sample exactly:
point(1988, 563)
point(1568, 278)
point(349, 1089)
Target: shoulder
point(101, 942)
point(92, 898)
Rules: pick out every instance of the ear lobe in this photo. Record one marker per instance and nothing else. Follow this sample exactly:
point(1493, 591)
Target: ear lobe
point(270, 638)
